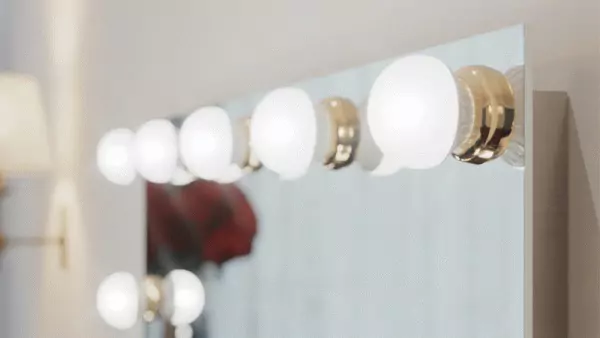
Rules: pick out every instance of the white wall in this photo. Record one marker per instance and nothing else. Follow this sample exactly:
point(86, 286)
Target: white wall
point(149, 58)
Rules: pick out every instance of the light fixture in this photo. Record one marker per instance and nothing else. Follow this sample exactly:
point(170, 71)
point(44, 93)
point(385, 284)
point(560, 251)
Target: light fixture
point(114, 156)
point(117, 300)
point(154, 151)
point(288, 132)
point(24, 143)
point(206, 142)
point(179, 297)
point(339, 132)
point(24, 148)
point(182, 177)
point(419, 112)
point(244, 159)
point(184, 297)
point(283, 132)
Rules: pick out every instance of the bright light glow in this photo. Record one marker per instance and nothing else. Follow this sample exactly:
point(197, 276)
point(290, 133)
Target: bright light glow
point(413, 113)
point(113, 156)
point(117, 300)
point(184, 331)
point(184, 297)
point(155, 151)
point(283, 132)
point(206, 142)
point(182, 177)
point(231, 174)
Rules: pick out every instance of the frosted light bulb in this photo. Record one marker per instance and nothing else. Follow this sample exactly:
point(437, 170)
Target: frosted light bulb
point(413, 113)
point(117, 300)
point(184, 297)
point(155, 151)
point(182, 177)
point(206, 142)
point(113, 156)
point(283, 132)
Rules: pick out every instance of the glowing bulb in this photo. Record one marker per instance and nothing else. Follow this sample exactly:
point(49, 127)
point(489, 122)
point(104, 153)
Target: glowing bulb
point(117, 300)
point(184, 331)
point(283, 132)
point(413, 113)
point(182, 177)
point(155, 151)
point(113, 156)
point(206, 142)
point(184, 297)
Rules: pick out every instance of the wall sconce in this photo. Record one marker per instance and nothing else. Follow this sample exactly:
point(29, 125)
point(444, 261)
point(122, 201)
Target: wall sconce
point(24, 146)
point(179, 297)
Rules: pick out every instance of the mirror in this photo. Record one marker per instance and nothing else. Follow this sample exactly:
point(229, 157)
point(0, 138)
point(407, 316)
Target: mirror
point(348, 253)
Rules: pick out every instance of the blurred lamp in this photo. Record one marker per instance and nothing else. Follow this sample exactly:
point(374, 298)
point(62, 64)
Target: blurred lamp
point(24, 143)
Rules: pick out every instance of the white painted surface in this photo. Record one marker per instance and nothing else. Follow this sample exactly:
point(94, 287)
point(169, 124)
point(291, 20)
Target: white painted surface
point(150, 58)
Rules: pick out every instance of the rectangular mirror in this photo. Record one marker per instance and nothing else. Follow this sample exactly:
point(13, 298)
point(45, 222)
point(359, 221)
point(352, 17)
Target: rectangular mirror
point(365, 250)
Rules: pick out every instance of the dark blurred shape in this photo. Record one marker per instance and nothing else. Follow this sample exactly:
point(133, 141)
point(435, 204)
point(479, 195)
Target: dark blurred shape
point(201, 222)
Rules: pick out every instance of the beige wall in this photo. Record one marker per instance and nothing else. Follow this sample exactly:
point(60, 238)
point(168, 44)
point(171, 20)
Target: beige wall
point(150, 58)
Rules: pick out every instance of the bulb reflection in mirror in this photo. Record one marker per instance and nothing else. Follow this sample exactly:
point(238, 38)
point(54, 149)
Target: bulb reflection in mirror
point(206, 142)
point(113, 156)
point(413, 113)
point(182, 177)
point(117, 300)
point(283, 132)
point(184, 297)
point(184, 331)
point(155, 151)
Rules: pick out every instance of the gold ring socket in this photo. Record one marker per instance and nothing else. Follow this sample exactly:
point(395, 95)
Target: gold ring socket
point(490, 112)
point(344, 132)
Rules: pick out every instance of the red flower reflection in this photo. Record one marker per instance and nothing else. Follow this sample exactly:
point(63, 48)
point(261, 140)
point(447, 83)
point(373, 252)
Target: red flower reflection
point(200, 222)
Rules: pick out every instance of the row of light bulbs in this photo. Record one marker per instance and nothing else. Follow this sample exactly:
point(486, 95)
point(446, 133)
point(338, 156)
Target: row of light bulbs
point(418, 113)
point(179, 298)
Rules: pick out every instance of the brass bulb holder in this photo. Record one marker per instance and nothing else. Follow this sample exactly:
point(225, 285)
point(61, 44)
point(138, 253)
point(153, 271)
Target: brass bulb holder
point(341, 133)
point(153, 296)
point(243, 155)
point(487, 115)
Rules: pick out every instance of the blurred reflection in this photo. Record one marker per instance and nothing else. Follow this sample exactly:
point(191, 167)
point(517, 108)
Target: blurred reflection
point(194, 224)
point(197, 223)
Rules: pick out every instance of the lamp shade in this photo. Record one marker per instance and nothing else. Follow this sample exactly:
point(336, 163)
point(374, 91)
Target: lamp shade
point(24, 143)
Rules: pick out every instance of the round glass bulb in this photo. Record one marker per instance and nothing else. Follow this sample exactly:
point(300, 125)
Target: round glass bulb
point(182, 177)
point(206, 142)
point(184, 297)
point(155, 151)
point(283, 132)
point(117, 300)
point(413, 113)
point(113, 156)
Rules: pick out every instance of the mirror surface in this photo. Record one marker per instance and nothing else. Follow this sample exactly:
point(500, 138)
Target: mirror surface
point(431, 253)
